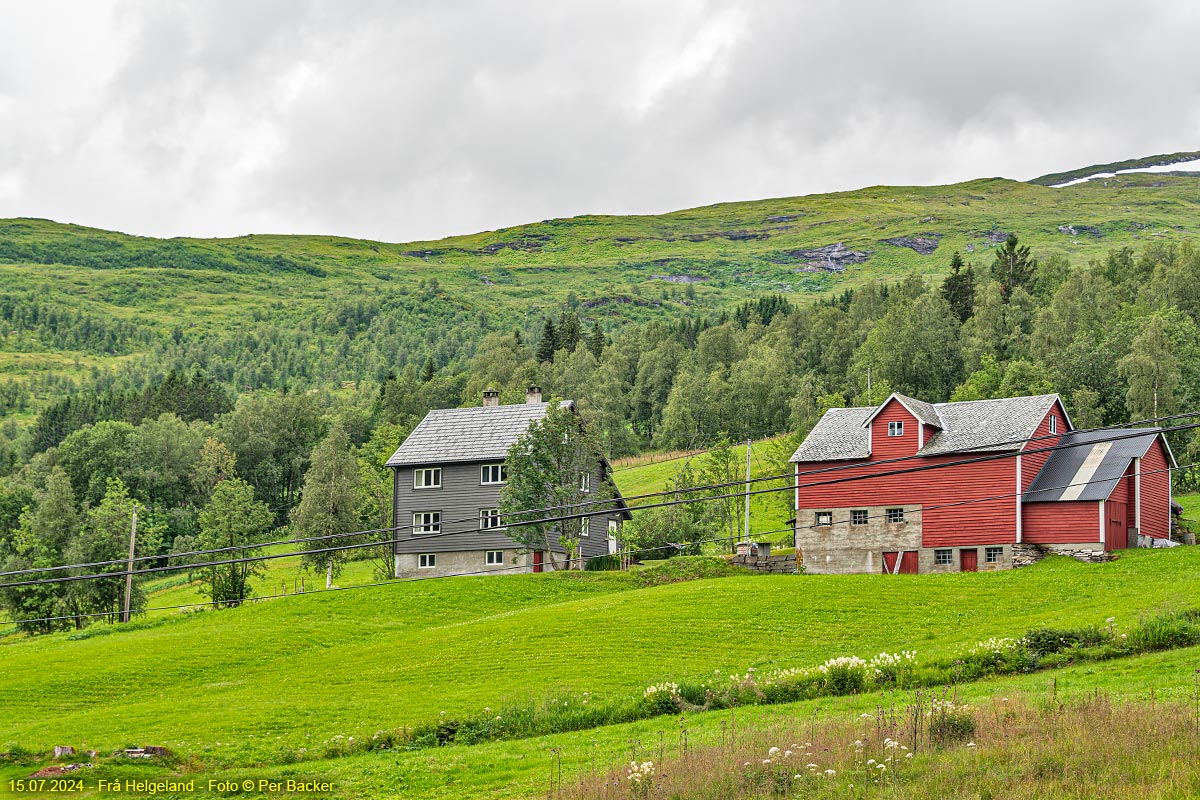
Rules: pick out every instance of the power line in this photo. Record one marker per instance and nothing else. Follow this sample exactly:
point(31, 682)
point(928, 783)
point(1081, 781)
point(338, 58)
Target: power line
point(488, 571)
point(676, 491)
point(681, 501)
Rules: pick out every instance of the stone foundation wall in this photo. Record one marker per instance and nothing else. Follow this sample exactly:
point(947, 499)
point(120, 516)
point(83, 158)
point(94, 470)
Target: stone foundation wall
point(1026, 554)
point(842, 548)
point(781, 564)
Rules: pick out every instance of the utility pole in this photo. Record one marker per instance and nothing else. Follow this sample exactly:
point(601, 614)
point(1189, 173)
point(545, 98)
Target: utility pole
point(748, 497)
point(129, 565)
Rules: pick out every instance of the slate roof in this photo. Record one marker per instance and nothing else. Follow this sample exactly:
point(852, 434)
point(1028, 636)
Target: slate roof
point(839, 435)
point(925, 412)
point(481, 433)
point(1090, 470)
point(970, 425)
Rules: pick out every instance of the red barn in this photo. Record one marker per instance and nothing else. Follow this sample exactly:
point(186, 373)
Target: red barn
point(910, 486)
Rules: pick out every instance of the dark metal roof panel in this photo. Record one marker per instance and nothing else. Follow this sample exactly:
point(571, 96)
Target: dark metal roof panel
point(1091, 466)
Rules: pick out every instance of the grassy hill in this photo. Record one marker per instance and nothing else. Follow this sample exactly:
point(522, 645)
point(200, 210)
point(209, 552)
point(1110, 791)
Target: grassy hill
point(230, 688)
point(115, 299)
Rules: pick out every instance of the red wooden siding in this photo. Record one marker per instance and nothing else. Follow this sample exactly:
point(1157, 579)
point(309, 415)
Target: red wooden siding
point(1156, 493)
point(1061, 523)
point(1032, 463)
point(884, 446)
point(991, 521)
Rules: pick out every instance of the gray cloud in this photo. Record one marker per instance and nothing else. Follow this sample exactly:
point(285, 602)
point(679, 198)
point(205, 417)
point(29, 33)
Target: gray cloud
point(402, 121)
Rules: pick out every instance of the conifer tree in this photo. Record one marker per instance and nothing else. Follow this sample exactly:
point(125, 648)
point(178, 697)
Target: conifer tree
point(959, 288)
point(1014, 266)
point(596, 342)
point(548, 343)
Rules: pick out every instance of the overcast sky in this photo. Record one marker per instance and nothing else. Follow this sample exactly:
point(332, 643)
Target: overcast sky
point(401, 121)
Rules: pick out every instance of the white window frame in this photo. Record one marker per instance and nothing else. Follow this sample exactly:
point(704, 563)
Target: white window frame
point(1054, 423)
point(866, 517)
point(585, 483)
point(891, 515)
point(435, 472)
point(896, 428)
point(827, 515)
point(427, 561)
point(486, 471)
point(585, 526)
point(489, 520)
point(988, 552)
point(430, 527)
point(943, 557)
point(493, 557)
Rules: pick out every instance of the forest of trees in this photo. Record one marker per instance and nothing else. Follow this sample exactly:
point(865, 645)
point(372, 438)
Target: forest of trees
point(1117, 338)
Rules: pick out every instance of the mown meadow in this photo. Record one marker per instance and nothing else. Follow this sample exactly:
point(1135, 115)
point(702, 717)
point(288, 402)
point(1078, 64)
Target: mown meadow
point(274, 686)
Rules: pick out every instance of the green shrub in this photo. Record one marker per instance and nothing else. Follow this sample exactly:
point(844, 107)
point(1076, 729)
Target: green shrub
point(602, 563)
point(845, 675)
point(1044, 641)
point(1163, 633)
point(950, 723)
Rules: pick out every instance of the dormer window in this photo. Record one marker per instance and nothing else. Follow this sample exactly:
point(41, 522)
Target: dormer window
point(896, 428)
point(1053, 424)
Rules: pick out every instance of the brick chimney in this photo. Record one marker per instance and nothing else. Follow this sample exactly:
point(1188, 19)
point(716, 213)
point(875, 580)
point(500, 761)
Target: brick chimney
point(533, 394)
point(491, 398)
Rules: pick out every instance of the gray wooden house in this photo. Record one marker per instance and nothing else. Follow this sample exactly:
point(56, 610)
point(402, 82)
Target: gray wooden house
point(448, 476)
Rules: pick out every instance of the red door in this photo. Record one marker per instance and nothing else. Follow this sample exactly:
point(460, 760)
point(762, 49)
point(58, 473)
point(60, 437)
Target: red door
point(908, 563)
point(537, 560)
point(969, 560)
point(889, 563)
point(1116, 536)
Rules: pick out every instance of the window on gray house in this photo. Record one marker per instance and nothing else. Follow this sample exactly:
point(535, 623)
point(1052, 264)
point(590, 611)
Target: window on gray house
point(493, 474)
point(896, 428)
point(895, 516)
point(585, 526)
point(427, 560)
point(824, 517)
point(585, 482)
point(427, 522)
point(489, 518)
point(494, 557)
point(992, 555)
point(858, 516)
point(943, 558)
point(427, 478)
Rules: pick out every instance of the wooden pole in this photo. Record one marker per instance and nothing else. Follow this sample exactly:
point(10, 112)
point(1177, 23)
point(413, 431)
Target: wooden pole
point(748, 497)
point(129, 565)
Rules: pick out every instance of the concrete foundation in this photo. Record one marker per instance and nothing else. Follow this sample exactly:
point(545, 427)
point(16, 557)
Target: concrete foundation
point(464, 562)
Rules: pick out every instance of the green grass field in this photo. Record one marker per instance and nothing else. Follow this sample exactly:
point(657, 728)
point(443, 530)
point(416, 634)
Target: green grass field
point(231, 687)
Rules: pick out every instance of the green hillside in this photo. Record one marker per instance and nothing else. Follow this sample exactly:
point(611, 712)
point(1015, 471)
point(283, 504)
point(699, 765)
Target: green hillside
point(231, 688)
point(308, 301)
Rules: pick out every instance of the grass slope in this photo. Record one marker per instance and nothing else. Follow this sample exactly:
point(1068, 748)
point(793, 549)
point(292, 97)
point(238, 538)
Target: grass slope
point(306, 668)
point(619, 268)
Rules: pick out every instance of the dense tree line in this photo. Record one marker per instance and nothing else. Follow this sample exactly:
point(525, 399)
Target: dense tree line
point(1118, 338)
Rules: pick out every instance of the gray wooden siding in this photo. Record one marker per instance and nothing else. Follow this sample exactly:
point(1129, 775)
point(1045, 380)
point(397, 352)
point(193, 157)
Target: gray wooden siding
point(460, 500)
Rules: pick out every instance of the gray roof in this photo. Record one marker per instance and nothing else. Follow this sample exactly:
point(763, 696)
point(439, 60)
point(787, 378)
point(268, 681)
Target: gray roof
point(838, 435)
point(481, 433)
point(988, 425)
point(925, 412)
point(970, 425)
point(1091, 469)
